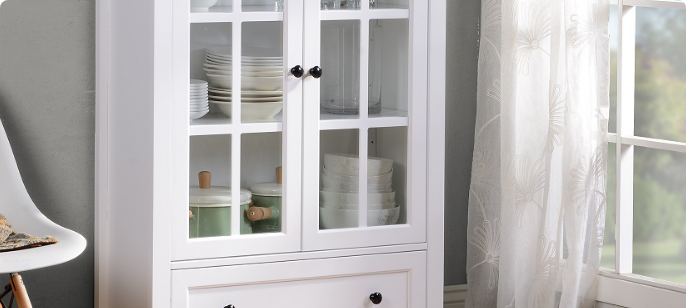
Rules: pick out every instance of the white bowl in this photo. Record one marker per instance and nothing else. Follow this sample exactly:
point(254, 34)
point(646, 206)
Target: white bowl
point(252, 111)
point(329, 184)
point(374, 179)
point(221, 81)
point(262, 83)
point(262, 74)
point(202, 5)
point(352, 198)
point(347, 164)
point(341, 218)
point(198, 114)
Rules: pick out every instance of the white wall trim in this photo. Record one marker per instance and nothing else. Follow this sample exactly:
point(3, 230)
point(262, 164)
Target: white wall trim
point(454, 296)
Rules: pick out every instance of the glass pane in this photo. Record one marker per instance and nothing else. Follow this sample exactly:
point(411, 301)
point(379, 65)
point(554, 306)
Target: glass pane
point(260, 173)
point(339, 195)
point(659, 214)
point(661, 73)
point(262, 72)
point(388, 67)
point(388, 4)
point(208, 71)
point(607, 259)
point(390, 144)
point(340, 51)
point(210, 205)
point(263, 5)
point(203, 6)
point(614, 33)
point(340, 4)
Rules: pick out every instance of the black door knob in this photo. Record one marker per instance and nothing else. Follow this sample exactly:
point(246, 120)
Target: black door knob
point(229, 306)
point(316, 72)
point(375, 298)
point(297, 71)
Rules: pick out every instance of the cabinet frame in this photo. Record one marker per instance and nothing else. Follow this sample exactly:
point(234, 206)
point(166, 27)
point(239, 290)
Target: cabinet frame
point(133, 256)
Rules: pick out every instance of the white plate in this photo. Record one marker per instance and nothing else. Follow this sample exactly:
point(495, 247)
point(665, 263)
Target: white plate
point(245, 93)
point(265, 68)
point(217, 67)
point(220, 98)
point(247, 50)
point(198, 83)
point(272, 99)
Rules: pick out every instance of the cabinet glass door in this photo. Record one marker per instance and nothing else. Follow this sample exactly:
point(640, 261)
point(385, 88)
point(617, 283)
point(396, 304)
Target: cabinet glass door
point(364, 123)
point(237, 127)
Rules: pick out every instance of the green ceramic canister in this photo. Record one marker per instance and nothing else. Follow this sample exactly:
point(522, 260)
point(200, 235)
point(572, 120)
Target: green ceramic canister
point(210, 209)
point(266, 212)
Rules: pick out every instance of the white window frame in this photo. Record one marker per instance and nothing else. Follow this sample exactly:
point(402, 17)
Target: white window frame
point(621, 287)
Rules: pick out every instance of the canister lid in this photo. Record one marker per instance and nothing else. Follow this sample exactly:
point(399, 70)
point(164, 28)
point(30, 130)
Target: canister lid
point(267, 189)
point(215, 195)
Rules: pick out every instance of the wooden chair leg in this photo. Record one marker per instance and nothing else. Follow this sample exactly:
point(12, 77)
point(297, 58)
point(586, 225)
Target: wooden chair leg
point(19, 290)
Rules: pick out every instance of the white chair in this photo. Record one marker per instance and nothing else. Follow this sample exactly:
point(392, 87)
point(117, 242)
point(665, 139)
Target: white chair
point(22, 214)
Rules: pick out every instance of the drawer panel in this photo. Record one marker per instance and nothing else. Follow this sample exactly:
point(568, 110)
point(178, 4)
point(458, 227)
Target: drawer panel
point(334, 292)
point(332, 283)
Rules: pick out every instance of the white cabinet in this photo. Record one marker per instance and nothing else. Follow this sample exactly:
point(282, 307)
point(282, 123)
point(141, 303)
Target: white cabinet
point(359, 137)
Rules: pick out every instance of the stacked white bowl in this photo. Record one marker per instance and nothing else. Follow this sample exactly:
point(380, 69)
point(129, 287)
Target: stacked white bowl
point(261, 82)
point(339, 196)
point(198, 101)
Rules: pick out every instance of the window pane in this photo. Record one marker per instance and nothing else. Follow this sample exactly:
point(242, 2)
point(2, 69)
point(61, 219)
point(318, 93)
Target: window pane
point(614, 33)
point(660, 214)
point(607, 259)
point(660, 73)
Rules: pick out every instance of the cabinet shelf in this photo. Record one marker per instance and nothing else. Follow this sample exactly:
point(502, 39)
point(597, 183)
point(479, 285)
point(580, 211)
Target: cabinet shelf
point(397, 12)
point(386, 118)
point(218, 124)
point(251, 13)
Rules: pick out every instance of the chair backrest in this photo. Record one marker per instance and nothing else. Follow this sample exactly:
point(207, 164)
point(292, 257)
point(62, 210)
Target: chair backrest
point(15, 202)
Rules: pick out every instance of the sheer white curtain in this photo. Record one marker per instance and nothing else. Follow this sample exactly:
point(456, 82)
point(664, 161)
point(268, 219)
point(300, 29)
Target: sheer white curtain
point(537, 197)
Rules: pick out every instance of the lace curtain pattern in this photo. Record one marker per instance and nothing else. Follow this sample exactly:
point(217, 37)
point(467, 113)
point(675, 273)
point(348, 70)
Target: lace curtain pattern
point(537, 196)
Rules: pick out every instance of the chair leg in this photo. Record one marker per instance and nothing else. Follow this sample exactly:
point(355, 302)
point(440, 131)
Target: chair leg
point(19, 290)
point(8, 290)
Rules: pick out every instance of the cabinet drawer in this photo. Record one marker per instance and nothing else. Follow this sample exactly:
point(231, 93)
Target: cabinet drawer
point(332, 283)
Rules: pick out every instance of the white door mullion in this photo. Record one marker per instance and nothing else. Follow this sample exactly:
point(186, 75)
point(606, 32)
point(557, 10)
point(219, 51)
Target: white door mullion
point(626, 61)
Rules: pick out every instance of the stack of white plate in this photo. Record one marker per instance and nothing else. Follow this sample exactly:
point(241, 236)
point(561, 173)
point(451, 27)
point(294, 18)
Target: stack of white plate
point(198, 102)
point(339, 206)
point(261, 82)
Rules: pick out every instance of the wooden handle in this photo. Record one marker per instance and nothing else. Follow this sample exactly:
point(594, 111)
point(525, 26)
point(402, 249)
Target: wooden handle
point(279, 178)
point(205, 179)
point(19, 290)
point(190, 214)
point(256, 213)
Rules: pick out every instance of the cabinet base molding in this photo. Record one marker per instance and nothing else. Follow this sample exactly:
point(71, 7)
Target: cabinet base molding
point(454, 296)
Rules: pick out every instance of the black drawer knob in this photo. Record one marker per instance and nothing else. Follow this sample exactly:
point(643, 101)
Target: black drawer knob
point(375, 298)
point(316, 72)
point(297, 71)
point(229, 306)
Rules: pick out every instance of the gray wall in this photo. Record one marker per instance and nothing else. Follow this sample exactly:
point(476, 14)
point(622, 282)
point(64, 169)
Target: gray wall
point(47, 106)
point(462, 54)
point(47, 101)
